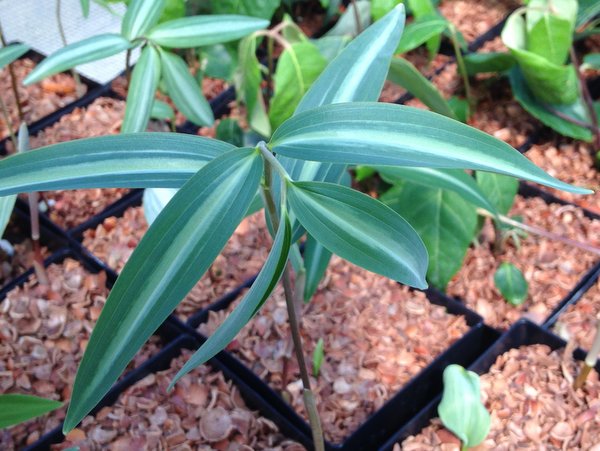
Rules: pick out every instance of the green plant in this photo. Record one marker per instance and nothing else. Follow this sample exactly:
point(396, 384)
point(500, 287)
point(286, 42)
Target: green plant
point(510, 282)
point(461, 409)
point(157, 62)
point(16, 408)
point(333, 127)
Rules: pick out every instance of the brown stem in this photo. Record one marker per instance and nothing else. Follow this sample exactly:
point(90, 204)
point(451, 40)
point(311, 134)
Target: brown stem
point(587, 97)
point(356, 17)
point(61, 31)
point(13, 80)
point(38, 259)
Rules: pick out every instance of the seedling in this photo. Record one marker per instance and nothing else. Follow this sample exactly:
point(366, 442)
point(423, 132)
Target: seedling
point(318, 356)
point(590, 360)
point(461, 409)
point(510, 282)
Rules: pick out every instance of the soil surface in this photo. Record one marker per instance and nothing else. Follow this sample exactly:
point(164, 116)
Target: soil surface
point(204, 412)
point(529, 394)
point(377, 335)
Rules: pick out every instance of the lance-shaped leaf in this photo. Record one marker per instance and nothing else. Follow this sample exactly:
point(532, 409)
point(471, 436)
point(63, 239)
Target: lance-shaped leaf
point(184, 89)
point(477, 63)
point(260, 290)
point(500, 190)
point(360, 229)
point(11, 52)
point(7, 203)
point(15, 408)
point(142, 89)
point(420, 31)
point(176, 250)
point(141, 15)
point(396, 135)
point(198, 31)
point(90, 49)
point(85, 7)
point(162, 160)
point(316, 260)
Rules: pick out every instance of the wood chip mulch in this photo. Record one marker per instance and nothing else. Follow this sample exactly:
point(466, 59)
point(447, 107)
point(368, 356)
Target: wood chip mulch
point(529, 394)
point(377, 335)
point(20, 261)
point(551, 268)
point(114, 240)
point(37, 100)
point(203, 412)
point(43, 333)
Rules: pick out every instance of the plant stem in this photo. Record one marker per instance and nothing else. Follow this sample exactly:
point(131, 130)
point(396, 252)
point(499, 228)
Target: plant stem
point(270, 67)
point(128, 66)
point(572, 120)
point(462, 68)
point(590, 360)
point(356, 17)
point(13, 80)
point(587, 98)
point(78, 85)
point(9, 124)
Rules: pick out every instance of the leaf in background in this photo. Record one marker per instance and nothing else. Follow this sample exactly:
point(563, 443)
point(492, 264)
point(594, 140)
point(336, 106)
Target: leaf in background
point(219, 61)
point(318, 356)
point(90, 49)
point(12, 52)
point(155, 200)
point(7, 204)
point(361, 230)
point(174, 9)
point(479, 63)
point(316, 260)
point(511, 283)
point(85, 7)
point(142, 89)
point(256, 8)
point(404, 74)
point(426, 8)
point(140, 17)
point(380, 8)
point(346, 24)
point(260, 290)
point(247, 82)
point(443, 219)
point(173, 254)
point(499, 189)
point(162, 160)
point(587, 10)
point(590, 61)
point(298, 67)
point(461, 409)
point(380, 134)
point(198, 31)
point(551, 37)
point(184, 90)
point(15, 408)
point(162, 111)
point(229, 130)
point(331, 46)
point(527, 100)
point(460, 108)
point(421, 31)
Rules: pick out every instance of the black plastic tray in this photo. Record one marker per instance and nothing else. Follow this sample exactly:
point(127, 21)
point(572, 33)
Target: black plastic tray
point(522, 333)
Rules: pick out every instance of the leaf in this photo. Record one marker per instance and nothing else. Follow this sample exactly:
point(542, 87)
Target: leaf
point(142, 89)
point(592, 61)
point(444, 220)
point(219, 61)
point(140, 17)
point(161, 110)
point(15, 408)
point(380, 8)
point(587, 10)
point(461, 409)
point(230, 131)
point(499, 189)
point(173, 254)
point(421, 9)
point(511, 283)
point(198, 31)
point(346, 24)
point(390, 135)
point(85, 7)
point(404, 74)
point(316, 260)
point(256, 8)
point(162, 160)
point(184, 90)
point(460, 108)
point(260, 290)
point(90, 49)
point(7, 204)
point(12, 52)
point(331, 46)
point(551, 37)
point(479, 63)
point(298, 67)
point(174, 9)
point(361, 230)
point(318, 356)
point(155, 200)
point(421, 31)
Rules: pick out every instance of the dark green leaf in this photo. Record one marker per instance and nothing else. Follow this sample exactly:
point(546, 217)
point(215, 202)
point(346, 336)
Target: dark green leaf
point(346, 24)
point(511, 283)
point(140, 17)
point(460, 107)
point(15, 408)
point(174, 9)
point(176, 250)
point(7, 204)
point(316, 260)
point(478, 63)
point(12, 52)
point(219, 61)
point(499, 189)
point(421, 9)
point(592, 61)
point(318, 356)
point(230, 131)
point(85, 7)
point(256, 8)
point(421, 31)
point(380, 8)
point(162, 111)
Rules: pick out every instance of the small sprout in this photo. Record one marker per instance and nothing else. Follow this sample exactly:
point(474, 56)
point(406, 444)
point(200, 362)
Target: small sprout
point(318, 358)
point(590, 360)
point(461, 409)
point(510, 282)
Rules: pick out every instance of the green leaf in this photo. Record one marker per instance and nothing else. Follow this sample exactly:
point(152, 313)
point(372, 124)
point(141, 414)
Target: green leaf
point(478, 63)
point(90, 49)
point(346, 24)
point(85, 7)
point(260, 290)
point(256, 8)
point(421, 9)
point(511, 283)
point(460, 108)
point(176, 250)
point(404, 74)
point(331, 46)
point(396, 135)
point(229, 130)
point(7, 204)
point(587, 10)
point(316, 260)
point(219, 61)
point(155, 200)
point(499, 189)
point(421, 31)
point(12, 52)
point(161, 110)
point(461, 409)
point(360, 229)
point(161, 160)
point(140, 17)
point(592, 61)
point(318, 356)
point(551, 37)
point(298, 67)
point(174, 9)
point(198, 31)
point(142, 89)
point(444, 220)
point(380, 8)
point(15, 408)
point(184, 90)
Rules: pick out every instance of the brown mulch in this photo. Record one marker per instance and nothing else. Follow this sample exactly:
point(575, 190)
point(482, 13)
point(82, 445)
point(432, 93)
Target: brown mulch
point(529, 394)
point(114, 240)
point(37, 100)
point(44, 331)
point(551, 268)
point(20, 261)
point(205, 411)
point(377, 335)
